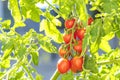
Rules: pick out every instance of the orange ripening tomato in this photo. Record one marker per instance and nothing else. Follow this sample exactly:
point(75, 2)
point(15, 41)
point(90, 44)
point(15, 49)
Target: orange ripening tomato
point(76, 64)
point(63, 65)
point(67, 38)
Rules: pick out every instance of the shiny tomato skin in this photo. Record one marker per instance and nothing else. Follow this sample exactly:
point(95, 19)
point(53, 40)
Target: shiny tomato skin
point(69, 23)
point(90, 20)
point(76, 64)
point(63, 65)
point(80, 33)
point(67, 38)
point(78, 47)
point(75, 34)
point(62, 52)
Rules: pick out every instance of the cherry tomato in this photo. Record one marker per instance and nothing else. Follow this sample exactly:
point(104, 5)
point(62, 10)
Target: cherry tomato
point(76, 64)
point(75, 34)
point(69, 23)
point(63, 65)
point(78, 47)
point(80, 33)
point(62, 52)
point(67, 38)
point(90, 20)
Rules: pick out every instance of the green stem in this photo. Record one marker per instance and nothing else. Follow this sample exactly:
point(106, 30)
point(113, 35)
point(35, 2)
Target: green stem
point(18, 64)
point(27, 71)
point(58, 12)
point(55, 75)
point(108, 62)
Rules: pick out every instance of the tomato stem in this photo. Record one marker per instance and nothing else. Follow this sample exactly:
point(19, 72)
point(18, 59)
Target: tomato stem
point(58, 12)
point(55, 75)
point(108, 62)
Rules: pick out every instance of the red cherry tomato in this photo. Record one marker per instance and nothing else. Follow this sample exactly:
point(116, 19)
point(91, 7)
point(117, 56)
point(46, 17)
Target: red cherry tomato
point(62, 52)
point(78, 47)
point(67, 38)
point(80, 33)
point(90, 20)
point(76, 64)
point(63, 65)
point(69, 23)
point(75, 34)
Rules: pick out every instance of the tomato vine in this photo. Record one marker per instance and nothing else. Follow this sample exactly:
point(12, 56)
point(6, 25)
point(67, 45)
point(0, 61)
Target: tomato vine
point(100, 60)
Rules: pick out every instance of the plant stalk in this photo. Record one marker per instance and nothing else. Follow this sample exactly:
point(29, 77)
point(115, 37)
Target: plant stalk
point(108, 62)
point(55, 75)
point(58, 12)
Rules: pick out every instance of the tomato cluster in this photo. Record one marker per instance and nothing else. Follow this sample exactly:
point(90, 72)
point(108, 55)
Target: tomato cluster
point(70, 51)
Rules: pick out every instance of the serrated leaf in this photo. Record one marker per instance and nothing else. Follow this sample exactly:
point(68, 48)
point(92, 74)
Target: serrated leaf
point(90, 64)
point(105, 46)
point(48, 46)
point(35, 57)
point(51, 31)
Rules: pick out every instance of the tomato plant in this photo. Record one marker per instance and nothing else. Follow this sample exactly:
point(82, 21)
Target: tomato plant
point(91, 59)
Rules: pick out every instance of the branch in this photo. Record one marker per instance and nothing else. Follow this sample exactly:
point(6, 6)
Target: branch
point(108, 62)
point(58, 12)
point(18, 64)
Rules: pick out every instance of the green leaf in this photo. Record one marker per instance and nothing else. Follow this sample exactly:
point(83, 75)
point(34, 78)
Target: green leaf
point(7, 48)
point(19, 74)
point(118, 33)
point(94, 46)
point(81, 10)
point(6, 24)
point(117, 74)
point(90, 64)
point(68, 76)
point(107, 26)
point(35, 57)
point(39, 77)
point(85, 43)
point(94, 77)
point(109, 36)
point(105, 46)
point(14, 8)
point(51, 31)
point(21, 51)
point(5, 63)
point(56, 22)
point(48, 46)
point(0, 19)
point(19, 24)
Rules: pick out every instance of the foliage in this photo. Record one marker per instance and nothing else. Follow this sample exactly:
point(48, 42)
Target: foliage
point(17, 47)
